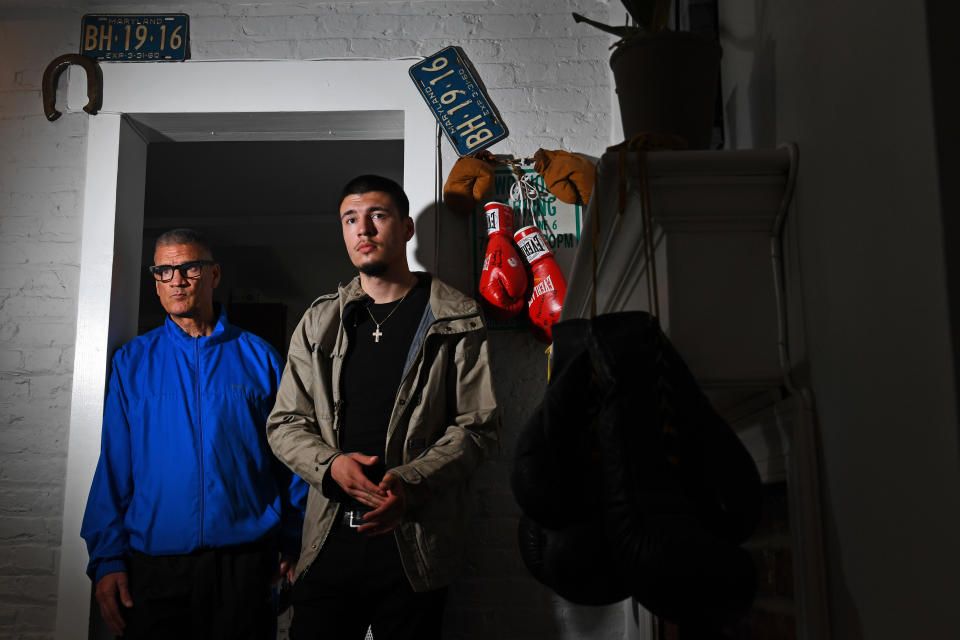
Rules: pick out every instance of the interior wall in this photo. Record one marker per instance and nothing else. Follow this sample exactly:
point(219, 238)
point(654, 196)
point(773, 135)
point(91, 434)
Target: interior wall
point(270, 210)
point(850, 83)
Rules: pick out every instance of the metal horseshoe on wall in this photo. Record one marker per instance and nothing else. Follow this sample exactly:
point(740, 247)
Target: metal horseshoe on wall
point(52, 74)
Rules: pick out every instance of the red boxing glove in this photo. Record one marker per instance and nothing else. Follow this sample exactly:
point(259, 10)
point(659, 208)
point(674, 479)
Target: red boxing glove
point(549, 285)
point(503, 282)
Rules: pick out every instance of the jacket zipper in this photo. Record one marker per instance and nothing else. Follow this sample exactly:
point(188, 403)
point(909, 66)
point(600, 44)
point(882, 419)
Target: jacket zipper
point(337, 417)
point(200, 429)
point(413, 365)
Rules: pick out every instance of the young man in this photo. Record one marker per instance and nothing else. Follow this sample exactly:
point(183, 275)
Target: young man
point(189, 509)
point(386, 408)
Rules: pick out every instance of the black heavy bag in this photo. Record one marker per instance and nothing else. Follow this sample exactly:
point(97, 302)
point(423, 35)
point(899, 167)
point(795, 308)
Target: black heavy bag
point(556, 474)
point(575, 562)
point(679, 489)
point(637, 477)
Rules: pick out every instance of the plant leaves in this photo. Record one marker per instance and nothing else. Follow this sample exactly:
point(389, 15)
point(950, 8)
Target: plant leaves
point(622, 32)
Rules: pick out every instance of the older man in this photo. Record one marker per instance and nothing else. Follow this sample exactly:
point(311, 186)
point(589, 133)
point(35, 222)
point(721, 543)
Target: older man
point(189, 510)
point(386, 408)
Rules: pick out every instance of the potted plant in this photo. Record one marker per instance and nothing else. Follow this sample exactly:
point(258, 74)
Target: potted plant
point(666, 80)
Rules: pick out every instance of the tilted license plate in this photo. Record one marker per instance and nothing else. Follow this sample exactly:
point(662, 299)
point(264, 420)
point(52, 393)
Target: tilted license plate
point(146, 38)
point(453, 91)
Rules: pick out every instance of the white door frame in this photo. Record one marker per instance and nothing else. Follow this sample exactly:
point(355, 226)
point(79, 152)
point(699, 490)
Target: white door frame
point(112, 226)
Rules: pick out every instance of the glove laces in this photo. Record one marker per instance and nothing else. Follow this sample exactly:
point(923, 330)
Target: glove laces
point(525, 198)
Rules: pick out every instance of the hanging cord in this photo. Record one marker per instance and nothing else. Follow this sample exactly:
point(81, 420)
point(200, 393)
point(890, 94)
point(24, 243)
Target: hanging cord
point(595, 229)
point(522, 194)
point(650, 256)
point(642, 143)
point(527, 197)
point(437, 198)
point(529, 200)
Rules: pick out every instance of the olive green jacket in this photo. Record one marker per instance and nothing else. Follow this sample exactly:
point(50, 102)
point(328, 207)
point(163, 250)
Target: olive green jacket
point(443, 424)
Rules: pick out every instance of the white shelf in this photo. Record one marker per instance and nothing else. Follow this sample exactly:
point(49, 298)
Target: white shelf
point(713, 214)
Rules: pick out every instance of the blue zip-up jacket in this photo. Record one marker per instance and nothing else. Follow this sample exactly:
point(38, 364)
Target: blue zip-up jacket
point(184, 462)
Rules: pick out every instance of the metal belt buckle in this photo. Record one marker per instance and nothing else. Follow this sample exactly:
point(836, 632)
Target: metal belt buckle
point(354, 519)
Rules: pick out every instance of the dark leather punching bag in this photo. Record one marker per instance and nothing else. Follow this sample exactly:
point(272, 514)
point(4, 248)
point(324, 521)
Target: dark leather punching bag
point(556, 475)
point(662, 488)
point(575, 562)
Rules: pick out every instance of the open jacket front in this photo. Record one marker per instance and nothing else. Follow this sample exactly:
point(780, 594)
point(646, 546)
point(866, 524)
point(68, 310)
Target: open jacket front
point(443, 424)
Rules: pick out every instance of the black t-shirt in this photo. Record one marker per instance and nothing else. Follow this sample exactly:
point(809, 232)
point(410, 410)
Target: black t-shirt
point(373, 369)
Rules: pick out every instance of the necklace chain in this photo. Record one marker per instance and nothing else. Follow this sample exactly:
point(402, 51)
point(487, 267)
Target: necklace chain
point(378, 334)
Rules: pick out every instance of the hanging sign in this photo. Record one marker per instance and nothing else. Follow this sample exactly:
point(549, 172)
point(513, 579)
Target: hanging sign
point(144, 38)
point(452, 89)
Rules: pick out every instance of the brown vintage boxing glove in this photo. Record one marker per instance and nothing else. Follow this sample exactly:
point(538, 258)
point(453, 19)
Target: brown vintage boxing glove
point(567, 175)
point(470, 181)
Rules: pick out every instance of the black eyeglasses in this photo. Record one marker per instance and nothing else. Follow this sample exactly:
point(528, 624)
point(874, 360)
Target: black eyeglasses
point(192, 270)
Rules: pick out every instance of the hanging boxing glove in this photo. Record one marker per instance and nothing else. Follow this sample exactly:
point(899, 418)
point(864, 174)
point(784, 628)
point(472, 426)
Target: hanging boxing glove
point(549, 285)
point(470, 181)
point(568, 176)
point(503, 281)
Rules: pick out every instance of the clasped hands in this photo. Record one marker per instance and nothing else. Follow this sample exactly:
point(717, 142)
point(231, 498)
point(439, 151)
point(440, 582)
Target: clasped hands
point(388, 499)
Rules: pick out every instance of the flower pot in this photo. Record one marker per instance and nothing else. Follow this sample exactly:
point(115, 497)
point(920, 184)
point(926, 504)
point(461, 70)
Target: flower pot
point(667, 83)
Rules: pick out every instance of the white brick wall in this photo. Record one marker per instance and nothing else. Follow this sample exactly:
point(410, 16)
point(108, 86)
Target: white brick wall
point(547, 75)
point(41, 179)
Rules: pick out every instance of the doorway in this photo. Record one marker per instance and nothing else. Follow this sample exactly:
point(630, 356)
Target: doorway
point(233, 101)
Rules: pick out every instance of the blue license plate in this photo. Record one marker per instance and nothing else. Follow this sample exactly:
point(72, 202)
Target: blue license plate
point(459, 101)
point(143, 38)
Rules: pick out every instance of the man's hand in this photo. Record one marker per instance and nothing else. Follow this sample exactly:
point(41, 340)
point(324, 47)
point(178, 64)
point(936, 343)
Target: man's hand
point(287, 567)
point(388, 515)
point(111, 586)
point(347, 471)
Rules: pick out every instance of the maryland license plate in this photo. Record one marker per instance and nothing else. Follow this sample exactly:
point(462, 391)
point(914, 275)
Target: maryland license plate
point(144, 38)
point(453, 91)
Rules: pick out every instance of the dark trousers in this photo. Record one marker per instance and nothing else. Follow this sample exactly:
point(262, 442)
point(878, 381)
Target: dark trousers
point(213, 594)
point(358, 582)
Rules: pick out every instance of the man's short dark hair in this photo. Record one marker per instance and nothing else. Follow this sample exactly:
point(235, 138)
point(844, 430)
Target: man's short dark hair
point(370, 182)
point(183, 236)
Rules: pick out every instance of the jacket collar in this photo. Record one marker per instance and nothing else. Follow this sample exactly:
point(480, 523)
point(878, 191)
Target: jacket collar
point(222, 331)
point(446, 303)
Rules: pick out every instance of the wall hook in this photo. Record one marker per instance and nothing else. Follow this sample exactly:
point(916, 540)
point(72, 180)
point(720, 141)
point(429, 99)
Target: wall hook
point(52, 74)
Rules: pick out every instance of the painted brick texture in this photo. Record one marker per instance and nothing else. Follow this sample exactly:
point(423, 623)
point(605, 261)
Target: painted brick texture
point(41, 181)
point(548, 76)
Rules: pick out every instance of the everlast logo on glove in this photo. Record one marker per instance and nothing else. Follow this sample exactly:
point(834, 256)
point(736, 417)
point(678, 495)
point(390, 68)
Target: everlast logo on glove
point(549, 285)
point(532, 246)
point(493, 221)
point(545, 286)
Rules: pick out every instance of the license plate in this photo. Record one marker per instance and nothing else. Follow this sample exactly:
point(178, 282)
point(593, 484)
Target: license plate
point(144, 38)
point(452, 89)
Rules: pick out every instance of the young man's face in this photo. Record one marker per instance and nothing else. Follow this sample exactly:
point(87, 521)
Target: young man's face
point(374, 233)
point(186, 297)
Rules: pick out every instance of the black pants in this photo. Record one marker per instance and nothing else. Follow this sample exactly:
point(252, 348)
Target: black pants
point(357, 582)
point(213, 594)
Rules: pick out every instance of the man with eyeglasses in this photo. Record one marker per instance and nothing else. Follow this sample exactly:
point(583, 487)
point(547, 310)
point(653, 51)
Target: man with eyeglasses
point(386, 408)
point(190, 520)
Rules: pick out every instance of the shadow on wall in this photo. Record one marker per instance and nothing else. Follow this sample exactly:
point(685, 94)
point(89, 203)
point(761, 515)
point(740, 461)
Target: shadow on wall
point(452, 260)
point(496, 596)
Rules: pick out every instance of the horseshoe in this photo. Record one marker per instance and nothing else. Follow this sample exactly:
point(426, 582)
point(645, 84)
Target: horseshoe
point(52, 74)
